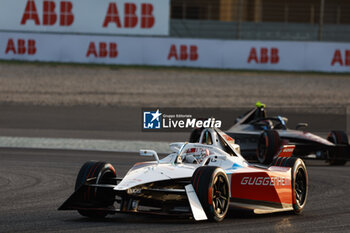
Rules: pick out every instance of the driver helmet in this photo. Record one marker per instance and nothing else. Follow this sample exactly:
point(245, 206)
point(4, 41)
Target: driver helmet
point(195, 155)
point(260, 110)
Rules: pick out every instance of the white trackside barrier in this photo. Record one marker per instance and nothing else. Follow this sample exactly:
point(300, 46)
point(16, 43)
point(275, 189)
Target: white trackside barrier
point(160, 51)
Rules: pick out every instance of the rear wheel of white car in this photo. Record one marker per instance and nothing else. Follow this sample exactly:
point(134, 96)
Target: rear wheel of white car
point(102, 173)
point(337, 137)
point(212, 187)
point(299, 180)
point(268, 145)
point(300, 186)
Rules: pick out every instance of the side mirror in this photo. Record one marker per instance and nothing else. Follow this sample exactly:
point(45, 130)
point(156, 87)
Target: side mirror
point(301, 125)
point(149, 153)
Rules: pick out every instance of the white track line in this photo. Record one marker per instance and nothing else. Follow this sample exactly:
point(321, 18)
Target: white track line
point(82, 144)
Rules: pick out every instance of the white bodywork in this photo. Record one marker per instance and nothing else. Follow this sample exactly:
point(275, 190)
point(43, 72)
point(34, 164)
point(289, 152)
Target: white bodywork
point(196, 207)
point(187, 157)
point(171, 167)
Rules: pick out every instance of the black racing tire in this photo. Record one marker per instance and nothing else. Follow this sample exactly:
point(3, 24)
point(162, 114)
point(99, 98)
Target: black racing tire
point(213, 190)
point(104, 174)
point(284, 161)
point(300, 185)
point(195, 135)
point(337, 137)
point(268, 146)
point(299, 180)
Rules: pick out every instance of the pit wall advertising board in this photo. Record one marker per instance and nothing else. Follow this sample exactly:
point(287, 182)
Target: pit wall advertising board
point(157, 51)
point(122, 17)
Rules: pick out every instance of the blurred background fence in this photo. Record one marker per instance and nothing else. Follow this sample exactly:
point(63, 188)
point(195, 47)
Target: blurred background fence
point(299, 20)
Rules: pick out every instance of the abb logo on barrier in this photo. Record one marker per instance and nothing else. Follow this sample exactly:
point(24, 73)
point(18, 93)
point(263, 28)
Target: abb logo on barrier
point(131, 19)
point(266, 56)
point(23, 47)
point(103, 50)
point(183, 53)
point(338, 58)
point(49, 15)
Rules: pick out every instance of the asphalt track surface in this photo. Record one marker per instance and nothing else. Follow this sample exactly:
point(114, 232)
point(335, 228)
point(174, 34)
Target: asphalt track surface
point(125, 122)
point(33, 183)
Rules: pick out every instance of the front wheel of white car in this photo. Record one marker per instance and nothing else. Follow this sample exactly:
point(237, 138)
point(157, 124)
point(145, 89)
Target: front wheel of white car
point(212, 187)
point(101, 173)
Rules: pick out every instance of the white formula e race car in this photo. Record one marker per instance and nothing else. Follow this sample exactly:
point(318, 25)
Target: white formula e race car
point(200, 180)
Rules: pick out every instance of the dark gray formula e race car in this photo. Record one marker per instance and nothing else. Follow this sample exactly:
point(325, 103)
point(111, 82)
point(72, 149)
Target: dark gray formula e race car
point(261, 137)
